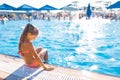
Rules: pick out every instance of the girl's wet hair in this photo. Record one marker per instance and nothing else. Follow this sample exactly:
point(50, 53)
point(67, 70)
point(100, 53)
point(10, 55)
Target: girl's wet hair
point(29, 28)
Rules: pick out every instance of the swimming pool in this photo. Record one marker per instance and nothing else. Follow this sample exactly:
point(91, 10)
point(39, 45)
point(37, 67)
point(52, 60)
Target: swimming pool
point(92, 45)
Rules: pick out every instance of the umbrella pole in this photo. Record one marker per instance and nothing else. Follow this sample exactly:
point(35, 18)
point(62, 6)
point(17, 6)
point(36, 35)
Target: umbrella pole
point(70, 16)
point(48, 15)
point(29, 16)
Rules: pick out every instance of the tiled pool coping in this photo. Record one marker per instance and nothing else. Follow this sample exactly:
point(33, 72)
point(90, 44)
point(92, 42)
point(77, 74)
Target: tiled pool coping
point(12, 68)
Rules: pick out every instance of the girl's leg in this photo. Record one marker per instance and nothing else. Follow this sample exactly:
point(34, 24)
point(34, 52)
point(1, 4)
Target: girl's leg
point(38, 50)
point(46, 55)
point(43, 53)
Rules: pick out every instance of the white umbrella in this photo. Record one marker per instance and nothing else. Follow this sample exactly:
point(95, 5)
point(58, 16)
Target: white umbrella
point(69, 8)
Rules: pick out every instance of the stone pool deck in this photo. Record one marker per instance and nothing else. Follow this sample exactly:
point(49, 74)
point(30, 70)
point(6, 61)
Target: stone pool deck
point(12, 68)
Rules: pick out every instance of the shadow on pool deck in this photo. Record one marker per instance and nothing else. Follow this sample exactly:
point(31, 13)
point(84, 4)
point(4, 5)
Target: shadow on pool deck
point(24, 72)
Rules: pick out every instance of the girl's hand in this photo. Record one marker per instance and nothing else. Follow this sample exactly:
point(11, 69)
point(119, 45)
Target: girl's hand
point(48, 68)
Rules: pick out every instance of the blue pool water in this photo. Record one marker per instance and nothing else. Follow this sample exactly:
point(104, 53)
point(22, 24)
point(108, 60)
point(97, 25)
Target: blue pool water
point(92, 45)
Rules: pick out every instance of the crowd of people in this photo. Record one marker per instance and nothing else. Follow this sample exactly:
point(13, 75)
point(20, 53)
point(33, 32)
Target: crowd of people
point(108, 15)
point(63, 15)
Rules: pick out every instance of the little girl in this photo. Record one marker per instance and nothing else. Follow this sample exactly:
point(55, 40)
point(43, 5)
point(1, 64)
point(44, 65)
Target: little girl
point(33, 58)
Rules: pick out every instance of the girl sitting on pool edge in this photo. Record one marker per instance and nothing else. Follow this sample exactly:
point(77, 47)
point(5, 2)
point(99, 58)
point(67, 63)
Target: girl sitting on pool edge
point(33, 58)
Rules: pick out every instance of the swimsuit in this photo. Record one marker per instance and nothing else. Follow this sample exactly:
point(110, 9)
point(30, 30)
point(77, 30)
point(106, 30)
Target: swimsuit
point(34, 63)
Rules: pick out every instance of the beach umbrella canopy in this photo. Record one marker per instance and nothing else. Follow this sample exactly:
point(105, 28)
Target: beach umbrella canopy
point(115, 5)
point(88, 12)
point(47, 7)
point(26, 7)
point(6, 7)
point(69, 8)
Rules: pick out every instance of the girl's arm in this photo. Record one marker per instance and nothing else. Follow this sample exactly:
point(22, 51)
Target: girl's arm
point(34, 54)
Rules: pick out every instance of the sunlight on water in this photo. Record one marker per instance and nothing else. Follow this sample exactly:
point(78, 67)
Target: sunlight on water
point(112, 59)
point(94, 67)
